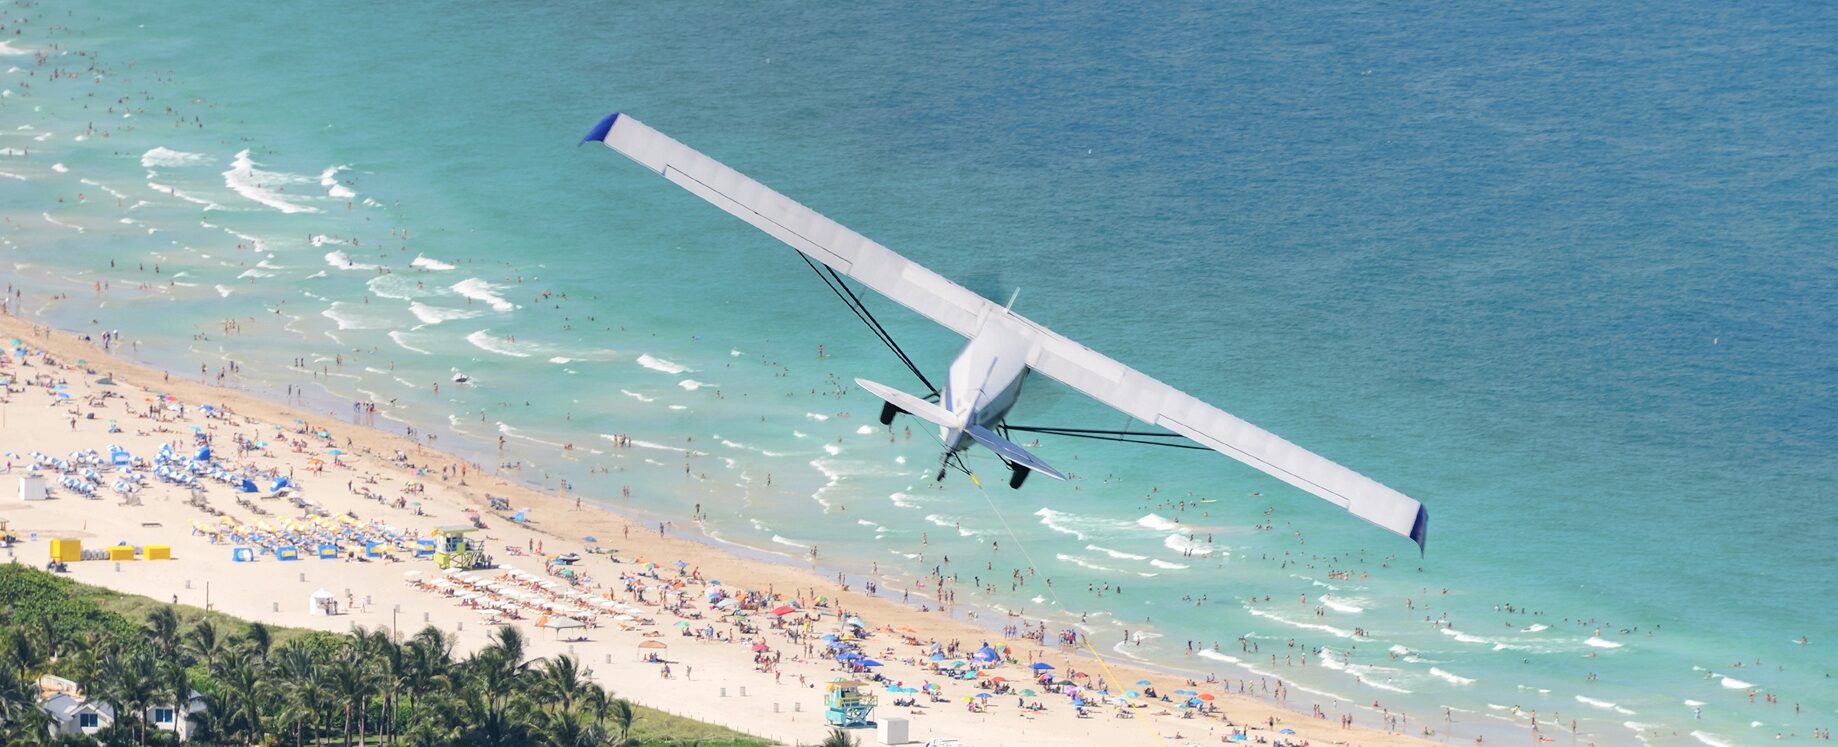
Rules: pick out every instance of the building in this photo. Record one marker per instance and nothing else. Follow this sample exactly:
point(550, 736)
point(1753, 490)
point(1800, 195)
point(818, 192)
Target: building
point(72, 714)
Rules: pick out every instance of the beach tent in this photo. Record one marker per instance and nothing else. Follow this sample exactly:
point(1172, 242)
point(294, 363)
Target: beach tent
point(560, 624)
point(204, 453)
point(652, 647)
point(248, 486)
point(321, 603)
point(32, 488)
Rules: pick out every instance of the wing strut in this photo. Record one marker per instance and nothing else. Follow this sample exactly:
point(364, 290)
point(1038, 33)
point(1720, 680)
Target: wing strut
point(854, 302)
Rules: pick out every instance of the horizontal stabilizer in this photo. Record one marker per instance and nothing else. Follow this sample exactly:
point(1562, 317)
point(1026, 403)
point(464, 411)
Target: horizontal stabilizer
point(912, 405)
point(1011, 451)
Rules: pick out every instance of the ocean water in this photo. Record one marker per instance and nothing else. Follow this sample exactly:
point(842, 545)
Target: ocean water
point(1562, 271)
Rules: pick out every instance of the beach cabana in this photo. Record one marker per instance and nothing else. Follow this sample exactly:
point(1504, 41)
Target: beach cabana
point(560, 624)
point(652, 648)
point(321, 603)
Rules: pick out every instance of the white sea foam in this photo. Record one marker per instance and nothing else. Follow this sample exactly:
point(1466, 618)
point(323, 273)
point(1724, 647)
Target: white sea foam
point(816, 416)
point(558, 360)
point(222, 291)
point(1086, 564)
point(866, 430)
point(1341, 605)
point(103, 188)
point(1602, 643)
point(1710, 739)
point(692, 384)
point(1450, 677)
point(56, 222)
point(484, 340)
point(637, 396)
point(1182, 544)
point(479, 290)
point(253, 273)
point(429, 264)
point(1534, 627)
point(1329, 629)
point(902, 500)
point(338, 259)
point(436, 314)
point(329, 180)
point(788, 543)
point(1158, 523)
point(353, 316)
point(163, 157)
point(400, 286)
point(60, 168)
point(1158, 563)
point(174, 191)
point(260, 186)
point(658, 364)
point(1694, 703)
point(1596, 703)
point(832, 449)
point(733, 353)
point(1120, 555)
point(1736, 684)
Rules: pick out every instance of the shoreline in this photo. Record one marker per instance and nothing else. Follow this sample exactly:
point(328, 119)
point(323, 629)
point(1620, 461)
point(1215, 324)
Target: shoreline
point(553, 516)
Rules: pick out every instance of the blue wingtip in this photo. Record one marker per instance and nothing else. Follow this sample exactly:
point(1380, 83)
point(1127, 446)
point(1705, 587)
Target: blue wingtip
point(599, 131)
point(1420, 531)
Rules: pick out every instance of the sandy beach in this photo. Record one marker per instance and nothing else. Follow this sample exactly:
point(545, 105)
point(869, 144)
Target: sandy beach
point(760, 673)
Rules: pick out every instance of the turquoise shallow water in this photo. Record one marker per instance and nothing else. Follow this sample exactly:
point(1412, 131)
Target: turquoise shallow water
point(1562, 272)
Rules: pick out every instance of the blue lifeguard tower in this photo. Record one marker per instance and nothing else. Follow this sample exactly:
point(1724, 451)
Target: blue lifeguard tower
point(848, 704)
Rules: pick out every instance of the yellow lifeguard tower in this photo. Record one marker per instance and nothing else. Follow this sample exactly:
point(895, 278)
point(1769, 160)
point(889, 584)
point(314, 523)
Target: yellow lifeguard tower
point(848, 703)
point(456, 551)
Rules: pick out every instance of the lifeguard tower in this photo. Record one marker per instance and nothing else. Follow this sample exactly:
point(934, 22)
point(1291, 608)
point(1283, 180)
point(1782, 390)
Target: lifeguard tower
point(458, 552)
point(847, 704)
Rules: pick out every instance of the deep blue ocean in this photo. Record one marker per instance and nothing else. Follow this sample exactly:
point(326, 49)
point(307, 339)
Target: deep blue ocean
point(1566, 272)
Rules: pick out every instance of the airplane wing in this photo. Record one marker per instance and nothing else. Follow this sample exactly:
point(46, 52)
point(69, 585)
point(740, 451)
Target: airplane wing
point(806, 230)
point(947, 303)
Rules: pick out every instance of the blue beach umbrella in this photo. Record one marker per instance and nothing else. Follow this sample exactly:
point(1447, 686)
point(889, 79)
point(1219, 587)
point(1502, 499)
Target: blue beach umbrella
point(869, 663)
point(1041, 666)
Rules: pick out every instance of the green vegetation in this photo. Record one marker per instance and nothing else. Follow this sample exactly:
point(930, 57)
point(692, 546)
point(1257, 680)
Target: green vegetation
point(270, 686)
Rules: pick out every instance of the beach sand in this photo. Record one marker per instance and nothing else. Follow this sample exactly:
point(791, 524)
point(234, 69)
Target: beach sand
point(715, 681)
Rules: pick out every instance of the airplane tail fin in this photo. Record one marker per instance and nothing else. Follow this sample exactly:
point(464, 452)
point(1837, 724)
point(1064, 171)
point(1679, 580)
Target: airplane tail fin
point(1011, 451)
point(907, 403)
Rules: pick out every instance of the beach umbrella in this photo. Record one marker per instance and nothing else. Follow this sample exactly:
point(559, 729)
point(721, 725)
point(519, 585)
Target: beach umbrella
point(1131, 694)
point(1287, 731)
point(681, 564)
point(1208, 697)
point(847, 656)
point(983, 696)
point(1041, 666)
point(869, 663)
point(1144, 683)
point(682, 625)
point(757, 647)
point(1027, 693)
point(784, 610)
point(589, 538)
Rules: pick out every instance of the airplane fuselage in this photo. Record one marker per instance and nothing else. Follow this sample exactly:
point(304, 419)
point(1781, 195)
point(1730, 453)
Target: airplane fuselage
point(985, 379)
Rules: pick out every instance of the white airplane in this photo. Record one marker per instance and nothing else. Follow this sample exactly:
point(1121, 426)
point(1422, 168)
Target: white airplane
point(985, 379)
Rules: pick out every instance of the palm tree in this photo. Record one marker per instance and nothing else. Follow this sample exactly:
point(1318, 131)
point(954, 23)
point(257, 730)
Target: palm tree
point(129, 683)
point(838, 738)
point(203, 644)
point(257, 639)
point(352, 683)
point(162, 631)
point(244, 692)
point(21, 652)
point(430, 656)
point(559, 683)
point(175, 683)
point(620, 715)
